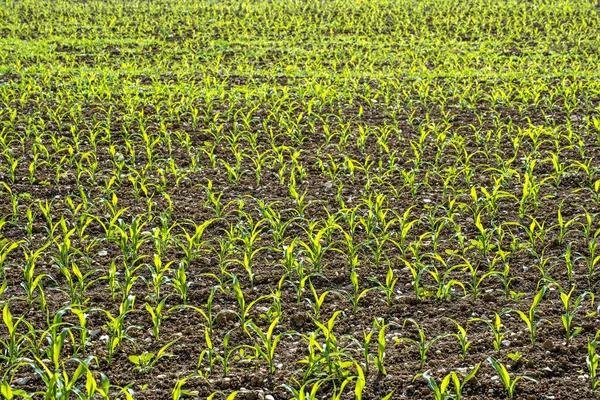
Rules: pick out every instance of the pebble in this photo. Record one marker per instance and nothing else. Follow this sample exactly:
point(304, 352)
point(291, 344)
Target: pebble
point(224, 316)
point(94, 332)
point(246, 395)
point(255, 380)
point(261, 309)
point(22, 381)
point(103, 253)
point(488, 298)
point(298, 320)
point(269, 397)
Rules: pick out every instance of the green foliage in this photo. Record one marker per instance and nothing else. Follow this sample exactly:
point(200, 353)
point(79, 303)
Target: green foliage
point(145, 362)
point(421, 343)
point(529, 318)
point(510, 384)
point(248, 170)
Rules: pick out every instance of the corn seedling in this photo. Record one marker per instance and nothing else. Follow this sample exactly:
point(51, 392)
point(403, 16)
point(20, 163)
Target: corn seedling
point(592, 362)
point(529, 318)
point(387, 287)
point(461, 336)
point(443, 390)
point(356, 294)
point(570, 307)
point(421, 343)
point(495, 327)
point(145, 362)
point(510, 384)
point(267, 342)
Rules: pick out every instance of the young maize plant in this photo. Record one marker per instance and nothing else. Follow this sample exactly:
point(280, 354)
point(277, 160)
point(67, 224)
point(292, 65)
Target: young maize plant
point(145, 362)
point(268, 340)
point(421, 343)
point(231, 396)
point(13, 346)
point(495, 327)
point(444, 286)
point(317, 300)
point(570, 307)
point(592, 362)
point(461, 336)
point(328, 359)
point(442, 391)
point(510, 384)
point(356, 294)
point(179, 392)
point(381, 343)
point(12, 394)
point(243, 306)
point(117, 332)
point(387, 287)
point(529, 318)
point(364, 349)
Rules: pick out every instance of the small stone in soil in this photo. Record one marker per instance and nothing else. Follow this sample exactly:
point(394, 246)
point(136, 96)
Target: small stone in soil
point(488, 298)
point(248, 395)
point(22, 381)
point(298, 321)
point(224, 316)
point(548, 345)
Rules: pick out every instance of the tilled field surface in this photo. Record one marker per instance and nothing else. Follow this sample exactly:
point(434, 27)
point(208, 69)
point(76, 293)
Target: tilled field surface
point(299, 199)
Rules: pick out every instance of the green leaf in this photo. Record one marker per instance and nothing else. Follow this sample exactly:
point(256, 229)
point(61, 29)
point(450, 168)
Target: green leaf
point(7, 318)
point(471, 374)
point(360, 382)
point(388, 396)
point(502, 372)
